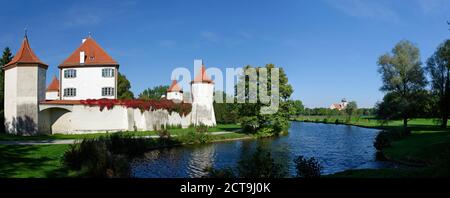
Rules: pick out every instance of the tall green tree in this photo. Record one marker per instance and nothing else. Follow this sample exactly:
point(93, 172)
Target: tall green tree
point(154, 93)
point(438, 66)
point(350, 109)
point(6, 58)
point(249, 113)
point(123, 87)
point(403, 76)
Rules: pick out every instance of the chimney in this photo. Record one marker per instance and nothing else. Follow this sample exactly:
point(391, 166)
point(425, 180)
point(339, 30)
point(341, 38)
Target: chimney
point(82, 41)
point(82, 57)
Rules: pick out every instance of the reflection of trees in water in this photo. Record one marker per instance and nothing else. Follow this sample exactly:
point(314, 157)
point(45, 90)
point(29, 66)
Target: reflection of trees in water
point(200, 159)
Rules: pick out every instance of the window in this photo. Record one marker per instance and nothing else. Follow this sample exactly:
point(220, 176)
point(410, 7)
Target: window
point(107, 91)
point(70, 73)
point(107, 72)
point(70, 92)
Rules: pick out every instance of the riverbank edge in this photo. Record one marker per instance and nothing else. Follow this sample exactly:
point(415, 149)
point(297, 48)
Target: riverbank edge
point(386, 157)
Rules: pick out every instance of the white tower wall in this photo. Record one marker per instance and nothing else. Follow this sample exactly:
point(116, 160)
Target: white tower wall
point(202, 104)
point(24, 89)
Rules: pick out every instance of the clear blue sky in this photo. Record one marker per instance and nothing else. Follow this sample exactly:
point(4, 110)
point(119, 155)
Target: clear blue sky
point(329, 48)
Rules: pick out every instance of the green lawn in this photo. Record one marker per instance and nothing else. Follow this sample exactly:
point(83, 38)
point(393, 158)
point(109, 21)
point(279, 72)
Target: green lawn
point(173, 131)
point(32, 161)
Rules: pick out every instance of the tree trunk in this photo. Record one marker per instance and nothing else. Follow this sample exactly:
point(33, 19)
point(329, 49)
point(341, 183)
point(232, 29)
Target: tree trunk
point(444, 121)
point(405, 122)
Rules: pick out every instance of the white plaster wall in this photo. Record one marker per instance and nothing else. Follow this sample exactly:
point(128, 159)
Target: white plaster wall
point(174, 96)
point(85, 119)
point(51, 95)
point(24, 88)
point(10, 107)
point(89, 83)
point(202, 104)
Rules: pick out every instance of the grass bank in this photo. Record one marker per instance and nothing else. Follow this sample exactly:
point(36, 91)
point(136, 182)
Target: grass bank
point(43, 161)
point(428, 147)
point(173, 131)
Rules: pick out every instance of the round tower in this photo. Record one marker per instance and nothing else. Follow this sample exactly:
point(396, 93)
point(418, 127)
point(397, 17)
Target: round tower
point(24, 89)
point(202, 90)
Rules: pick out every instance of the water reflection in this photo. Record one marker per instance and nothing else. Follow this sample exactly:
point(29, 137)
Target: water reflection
point(337, 147)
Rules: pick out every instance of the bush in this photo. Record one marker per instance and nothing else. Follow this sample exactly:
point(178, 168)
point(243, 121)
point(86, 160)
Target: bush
point(249, 124)
point(337, 121)
point(307, 168)
point(383, 140)
point(325, 120)
point(201, 128)
point(220, 173)
point(193, 137)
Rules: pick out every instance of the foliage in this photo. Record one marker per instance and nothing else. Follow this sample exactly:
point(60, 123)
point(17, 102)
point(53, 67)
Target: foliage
point(193, 137)
point(307, 168)
point(201, 128)
point(154, 93)
point(438, 66)
point(260, 164)
point(385, 138)
point(226, 113)
point(6, 58)
point(143, 105)
point(249, 113)
point(123, 87)
point(350, 109)
point(402, 77)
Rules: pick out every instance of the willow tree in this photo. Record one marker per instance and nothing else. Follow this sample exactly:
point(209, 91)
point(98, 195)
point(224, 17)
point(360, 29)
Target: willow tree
point(438, 66)
point(403, 76)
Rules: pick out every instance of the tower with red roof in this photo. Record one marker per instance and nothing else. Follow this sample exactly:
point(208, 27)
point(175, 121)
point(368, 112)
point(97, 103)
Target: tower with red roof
point(202, 90)
point(24, 89)
point(175, 92)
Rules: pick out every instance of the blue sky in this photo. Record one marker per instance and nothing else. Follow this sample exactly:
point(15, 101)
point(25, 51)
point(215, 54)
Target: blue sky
point(328, 48)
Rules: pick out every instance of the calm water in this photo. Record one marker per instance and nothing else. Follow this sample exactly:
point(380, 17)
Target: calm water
point(337, 147)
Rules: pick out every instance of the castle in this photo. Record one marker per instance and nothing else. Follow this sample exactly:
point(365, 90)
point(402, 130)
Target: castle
point(88, 73)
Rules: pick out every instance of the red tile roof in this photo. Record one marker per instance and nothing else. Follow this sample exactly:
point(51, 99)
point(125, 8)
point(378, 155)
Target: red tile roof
point(54, 85)
point(25, 55)
point(174, 87)
point(202, 77)
point(94, 55)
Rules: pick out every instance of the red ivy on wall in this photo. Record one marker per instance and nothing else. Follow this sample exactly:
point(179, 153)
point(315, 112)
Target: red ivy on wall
point(143, 105)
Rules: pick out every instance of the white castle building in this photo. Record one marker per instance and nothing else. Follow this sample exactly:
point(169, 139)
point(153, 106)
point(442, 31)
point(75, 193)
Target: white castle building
point(88, 73)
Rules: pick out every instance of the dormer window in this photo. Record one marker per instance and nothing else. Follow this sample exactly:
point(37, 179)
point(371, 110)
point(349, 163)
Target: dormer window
point(107, 72)
point(70, 73)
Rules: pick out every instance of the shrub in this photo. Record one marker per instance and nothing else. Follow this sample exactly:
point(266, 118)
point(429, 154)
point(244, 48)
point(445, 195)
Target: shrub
point(325, 120)
point(193, 137)
point(260, 165)
point(383, 140)
point(307, 168)
point(249, 124)
point(201, 128)
point(337, 121)
point(220, 173)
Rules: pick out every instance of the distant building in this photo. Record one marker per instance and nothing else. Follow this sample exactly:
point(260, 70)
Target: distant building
point(175, 92)
point(339, 106)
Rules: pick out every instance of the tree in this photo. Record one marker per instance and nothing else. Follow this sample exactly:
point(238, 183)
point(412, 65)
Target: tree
point(297, 107)
point(154, 93)
point(403, 76)
point(123, 87)
point(6, 58)
point(251, 118)
point(350, 109)
point(438, 66)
